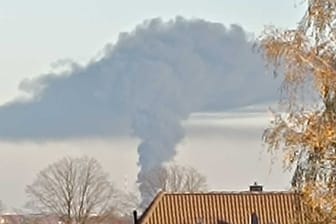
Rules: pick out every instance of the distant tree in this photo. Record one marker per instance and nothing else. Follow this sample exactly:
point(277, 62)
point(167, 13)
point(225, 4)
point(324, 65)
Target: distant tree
point(74, 189)
point(172, 178)
point(128, 201)
point(306, 55)
point(2, 207)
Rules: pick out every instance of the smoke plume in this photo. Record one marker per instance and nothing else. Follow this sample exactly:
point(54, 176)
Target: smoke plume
point(145, 84)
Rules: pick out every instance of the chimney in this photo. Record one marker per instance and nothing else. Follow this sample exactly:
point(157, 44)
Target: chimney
point(254, 218)
point(135, 217)
point(256, 188)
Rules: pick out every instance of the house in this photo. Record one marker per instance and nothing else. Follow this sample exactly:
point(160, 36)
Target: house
point(53, 219)
point(29, 219)
point(11, 219)
point(249, 207)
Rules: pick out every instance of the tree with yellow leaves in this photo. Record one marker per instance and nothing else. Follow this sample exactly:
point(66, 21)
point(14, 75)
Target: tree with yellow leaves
point(306, 132)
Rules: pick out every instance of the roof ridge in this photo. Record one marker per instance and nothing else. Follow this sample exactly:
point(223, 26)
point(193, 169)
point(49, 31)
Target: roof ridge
point(229, 192)
point(151, 207)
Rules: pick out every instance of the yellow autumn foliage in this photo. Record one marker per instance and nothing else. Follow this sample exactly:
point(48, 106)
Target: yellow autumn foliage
point(306, 133)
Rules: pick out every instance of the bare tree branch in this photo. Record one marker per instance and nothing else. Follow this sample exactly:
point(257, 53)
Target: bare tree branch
point(171, 178)
point(307, 135)
point(74, 189)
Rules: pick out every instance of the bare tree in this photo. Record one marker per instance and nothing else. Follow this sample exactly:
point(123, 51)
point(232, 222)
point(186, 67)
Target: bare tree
point(74, 189)
point(128, 202)
point(172, 178)
point(2, 207)
point(307, 132)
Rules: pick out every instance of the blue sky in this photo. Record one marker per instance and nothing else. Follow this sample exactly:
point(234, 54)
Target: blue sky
point(37, 33)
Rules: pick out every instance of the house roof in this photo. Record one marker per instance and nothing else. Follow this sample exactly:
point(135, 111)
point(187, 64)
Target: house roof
point(11, 219)
point(53, 219)
point(31, 218)
point(224, 208)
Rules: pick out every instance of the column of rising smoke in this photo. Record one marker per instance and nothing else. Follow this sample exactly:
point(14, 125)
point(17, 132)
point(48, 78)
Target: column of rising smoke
point(160, 132)
point(151, 79)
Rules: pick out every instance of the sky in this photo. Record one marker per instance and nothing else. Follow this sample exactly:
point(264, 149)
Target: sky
point(223, 147)
point(38, 35)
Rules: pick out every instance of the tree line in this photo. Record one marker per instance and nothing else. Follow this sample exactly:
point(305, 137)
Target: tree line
point(78, 190)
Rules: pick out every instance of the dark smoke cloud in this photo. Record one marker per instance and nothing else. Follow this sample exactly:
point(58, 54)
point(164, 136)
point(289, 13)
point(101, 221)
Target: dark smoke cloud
point(144, 85)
